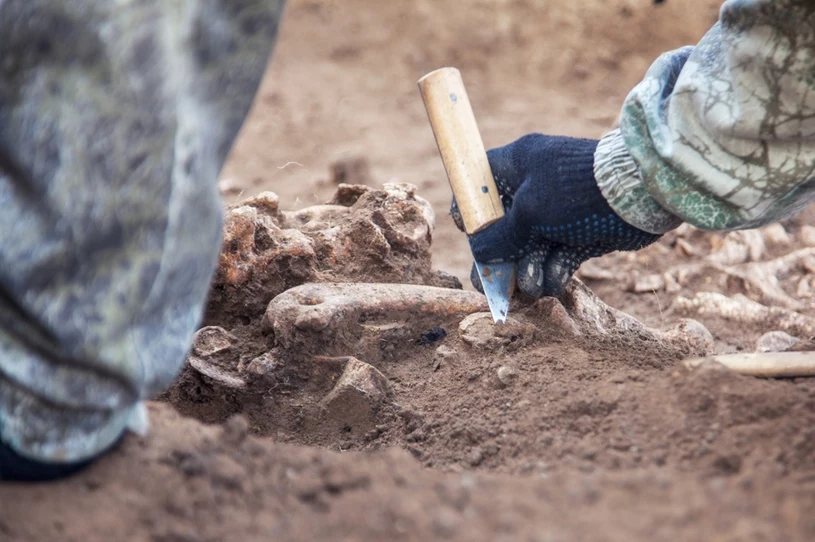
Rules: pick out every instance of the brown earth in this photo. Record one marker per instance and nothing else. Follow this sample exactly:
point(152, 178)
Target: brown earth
point(576, 422)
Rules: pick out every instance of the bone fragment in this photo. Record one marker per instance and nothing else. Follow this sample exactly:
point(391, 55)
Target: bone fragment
point(740, 309)
point(332, 318)
point(766, 365)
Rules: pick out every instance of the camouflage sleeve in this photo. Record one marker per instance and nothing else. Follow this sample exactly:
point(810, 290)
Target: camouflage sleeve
point(115, 119)
point(721, 135)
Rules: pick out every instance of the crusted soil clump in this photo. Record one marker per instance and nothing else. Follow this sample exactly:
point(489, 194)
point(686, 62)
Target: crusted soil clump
point(363, 234)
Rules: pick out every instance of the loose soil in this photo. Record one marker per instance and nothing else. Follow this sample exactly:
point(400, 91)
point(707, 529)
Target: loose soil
point(538, 434)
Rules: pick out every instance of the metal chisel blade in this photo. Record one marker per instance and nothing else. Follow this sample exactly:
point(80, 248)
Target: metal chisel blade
point(498, 281)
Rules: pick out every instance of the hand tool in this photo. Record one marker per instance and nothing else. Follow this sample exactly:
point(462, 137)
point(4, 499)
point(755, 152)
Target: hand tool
point(468, 170)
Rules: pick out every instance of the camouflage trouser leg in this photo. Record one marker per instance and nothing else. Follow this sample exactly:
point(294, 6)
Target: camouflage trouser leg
point(115, 119)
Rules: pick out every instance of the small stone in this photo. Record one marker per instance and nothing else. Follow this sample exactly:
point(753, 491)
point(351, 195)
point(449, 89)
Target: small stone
point(693, 334)
point(480, 331)
point(738, 247)
point(592, 271)
point(210, 340)
point(476, 457)
point(558, 317)
point(671, 284)
point(229, 187)
point(776, 235)
point(684, 248)
point(506, 375)
point(267, 203)
point(776, 341)
point(263, 364)
point(446, 353)
point(446, 280)
point(647, 284)
point(357, 397)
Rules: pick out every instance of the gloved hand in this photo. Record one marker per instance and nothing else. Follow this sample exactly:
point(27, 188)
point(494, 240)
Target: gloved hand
point(556, 218)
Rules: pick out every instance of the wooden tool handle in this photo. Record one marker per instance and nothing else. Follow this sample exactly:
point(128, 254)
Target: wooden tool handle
point(461, 148)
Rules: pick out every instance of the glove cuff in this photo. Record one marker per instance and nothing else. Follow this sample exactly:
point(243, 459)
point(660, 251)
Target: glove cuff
point(620, 181)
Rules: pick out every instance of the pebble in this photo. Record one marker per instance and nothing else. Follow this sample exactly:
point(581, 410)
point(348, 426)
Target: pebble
point(446, 353)
point(479, 331)
point(506, 375)
point(476, 457)
point(776, 341)
point(210, 340)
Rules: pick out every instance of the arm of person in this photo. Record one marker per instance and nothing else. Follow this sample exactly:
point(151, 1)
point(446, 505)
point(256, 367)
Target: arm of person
point(721, 135)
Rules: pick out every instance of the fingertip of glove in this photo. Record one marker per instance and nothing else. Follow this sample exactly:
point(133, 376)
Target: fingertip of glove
point(546, 273)
point(530, 276)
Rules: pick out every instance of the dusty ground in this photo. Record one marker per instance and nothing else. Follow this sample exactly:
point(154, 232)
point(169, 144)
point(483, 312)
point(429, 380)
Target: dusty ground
point(576, 423)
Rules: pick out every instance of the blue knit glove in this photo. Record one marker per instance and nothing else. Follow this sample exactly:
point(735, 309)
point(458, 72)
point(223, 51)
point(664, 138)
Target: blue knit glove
point(556, 216)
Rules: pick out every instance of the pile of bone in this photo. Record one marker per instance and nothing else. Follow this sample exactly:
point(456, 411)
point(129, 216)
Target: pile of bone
point(764, 278)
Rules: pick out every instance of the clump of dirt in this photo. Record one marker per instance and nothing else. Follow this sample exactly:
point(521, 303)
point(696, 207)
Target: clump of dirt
point(363, 234)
